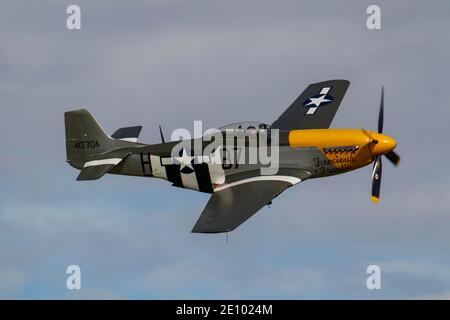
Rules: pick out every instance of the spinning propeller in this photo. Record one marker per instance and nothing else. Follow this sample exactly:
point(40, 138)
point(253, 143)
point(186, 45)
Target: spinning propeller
point(381, 145)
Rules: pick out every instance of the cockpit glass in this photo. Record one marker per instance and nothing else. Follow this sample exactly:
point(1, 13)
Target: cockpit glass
point(247, 126)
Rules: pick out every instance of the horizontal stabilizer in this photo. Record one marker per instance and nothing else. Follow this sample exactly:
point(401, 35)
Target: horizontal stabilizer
point(97, 168)
point(94, 173)
point(128, 133)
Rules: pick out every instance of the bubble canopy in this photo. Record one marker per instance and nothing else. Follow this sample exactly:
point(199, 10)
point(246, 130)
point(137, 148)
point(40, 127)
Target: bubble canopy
point(246, 126)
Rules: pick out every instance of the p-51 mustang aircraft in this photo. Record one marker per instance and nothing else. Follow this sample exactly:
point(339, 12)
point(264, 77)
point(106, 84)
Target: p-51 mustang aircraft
point(306, 149)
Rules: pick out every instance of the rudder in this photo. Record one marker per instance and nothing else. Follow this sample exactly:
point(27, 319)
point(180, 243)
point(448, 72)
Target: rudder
point(84, 137)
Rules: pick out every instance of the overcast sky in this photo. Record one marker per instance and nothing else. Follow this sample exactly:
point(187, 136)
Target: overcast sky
point(173, 62)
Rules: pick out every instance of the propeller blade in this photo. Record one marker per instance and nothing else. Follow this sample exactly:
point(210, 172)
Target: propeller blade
point(366, 133)
point(393, 157)
point(376, 180)
point(381, 114)
point(369, 135)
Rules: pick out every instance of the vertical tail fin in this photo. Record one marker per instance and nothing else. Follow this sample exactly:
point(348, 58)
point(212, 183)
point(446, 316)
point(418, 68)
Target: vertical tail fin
point(84, 137)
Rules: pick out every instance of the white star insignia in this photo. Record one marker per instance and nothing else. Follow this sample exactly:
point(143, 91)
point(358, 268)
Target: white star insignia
point(317, 101)
point(184, 160)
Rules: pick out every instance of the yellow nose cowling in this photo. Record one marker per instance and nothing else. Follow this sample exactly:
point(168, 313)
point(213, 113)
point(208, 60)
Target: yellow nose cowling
point(382, 144)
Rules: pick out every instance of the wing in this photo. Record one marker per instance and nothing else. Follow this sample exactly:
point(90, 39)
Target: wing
point(236, 202)
point(315, 107)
